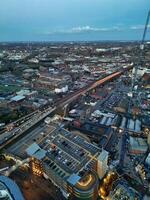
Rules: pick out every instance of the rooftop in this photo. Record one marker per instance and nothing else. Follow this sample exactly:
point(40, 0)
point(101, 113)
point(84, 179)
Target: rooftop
point(87, 181)
point(64, 150)
point(103, 155)
point(9, 190)
point(17, 98)
point(35, 151)
point(73, 179)
point(137, 143)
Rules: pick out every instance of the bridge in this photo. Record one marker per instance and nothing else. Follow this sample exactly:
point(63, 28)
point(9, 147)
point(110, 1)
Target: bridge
point(8, 137)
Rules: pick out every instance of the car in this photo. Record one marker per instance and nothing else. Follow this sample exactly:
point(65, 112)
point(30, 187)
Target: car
point(65, 161)
point(59, 152)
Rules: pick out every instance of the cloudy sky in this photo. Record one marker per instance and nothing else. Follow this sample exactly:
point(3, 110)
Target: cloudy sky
point(68, 20)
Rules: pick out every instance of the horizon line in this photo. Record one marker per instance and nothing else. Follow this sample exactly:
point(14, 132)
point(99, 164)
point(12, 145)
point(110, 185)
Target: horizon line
point(74, 41)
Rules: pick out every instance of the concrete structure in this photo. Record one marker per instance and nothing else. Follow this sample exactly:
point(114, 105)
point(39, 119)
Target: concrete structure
point(70, 162)
point(85, 187)
point(102, 164)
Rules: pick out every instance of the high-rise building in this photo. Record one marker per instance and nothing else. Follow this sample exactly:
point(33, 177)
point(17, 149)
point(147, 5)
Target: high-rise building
point(102, 164)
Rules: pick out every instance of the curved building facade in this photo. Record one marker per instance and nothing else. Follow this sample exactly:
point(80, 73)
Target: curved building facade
point(9, 189)
point(86, 188)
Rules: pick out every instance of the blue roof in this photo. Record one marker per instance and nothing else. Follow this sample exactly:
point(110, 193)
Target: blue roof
point(39, 154)
point(35, 151)
point(32, 149)
point(12, 188)
point(73, 179)
point(17, 98)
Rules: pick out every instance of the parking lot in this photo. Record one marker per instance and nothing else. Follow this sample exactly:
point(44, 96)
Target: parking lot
point(20, 146)
point(68, 151)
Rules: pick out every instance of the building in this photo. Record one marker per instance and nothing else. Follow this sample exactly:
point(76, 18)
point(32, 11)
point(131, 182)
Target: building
point(133, 126)
point(52, 81)
point(18, 98)
point(122, 106)
point(148, 160)
point(85, 187)
point(146, 197)
point(148, 139)
point(123, 191)
point(35, 164)
point(9, 189)
point(102, 165)
point(70, 162)
point(137, 145)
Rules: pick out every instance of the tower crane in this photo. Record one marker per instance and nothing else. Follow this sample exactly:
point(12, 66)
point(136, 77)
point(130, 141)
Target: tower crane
point(134, 79)
point(133, 93)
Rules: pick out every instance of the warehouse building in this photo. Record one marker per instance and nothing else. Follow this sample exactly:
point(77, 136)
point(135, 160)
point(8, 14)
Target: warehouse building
point(137, 145)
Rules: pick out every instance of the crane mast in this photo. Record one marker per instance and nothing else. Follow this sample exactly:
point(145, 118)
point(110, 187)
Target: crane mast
point(141, 53)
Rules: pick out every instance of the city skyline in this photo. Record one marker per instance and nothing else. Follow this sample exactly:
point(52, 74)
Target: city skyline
point(72, 20)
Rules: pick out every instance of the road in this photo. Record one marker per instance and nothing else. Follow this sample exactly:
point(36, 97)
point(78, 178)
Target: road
point(8, 137)
point(20, 146)
point(123, 148)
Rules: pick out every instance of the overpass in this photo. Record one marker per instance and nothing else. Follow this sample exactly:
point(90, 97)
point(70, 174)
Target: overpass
point(8, 137)
point(88, 88)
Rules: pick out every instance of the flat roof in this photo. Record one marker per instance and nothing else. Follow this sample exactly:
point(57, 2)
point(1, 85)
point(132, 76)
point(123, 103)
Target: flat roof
point(18, 98)
point(65, 151)
point(138, 143)
point(32, 149)
point(73, 179)
point(103, 155)
point(87, 181)
point(35, 151)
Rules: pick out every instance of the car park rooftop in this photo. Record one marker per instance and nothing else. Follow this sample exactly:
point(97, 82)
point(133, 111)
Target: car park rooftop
point(67, 151)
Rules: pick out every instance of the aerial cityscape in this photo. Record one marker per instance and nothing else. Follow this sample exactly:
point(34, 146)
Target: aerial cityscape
point(75, 102)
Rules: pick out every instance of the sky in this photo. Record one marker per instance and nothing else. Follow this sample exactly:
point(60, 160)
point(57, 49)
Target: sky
point(72, 20)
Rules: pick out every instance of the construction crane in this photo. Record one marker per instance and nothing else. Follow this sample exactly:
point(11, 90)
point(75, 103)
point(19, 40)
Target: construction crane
point(133, 98)
point(134, 79)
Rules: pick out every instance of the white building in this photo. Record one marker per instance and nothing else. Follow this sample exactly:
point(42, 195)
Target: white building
point(102, 165)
